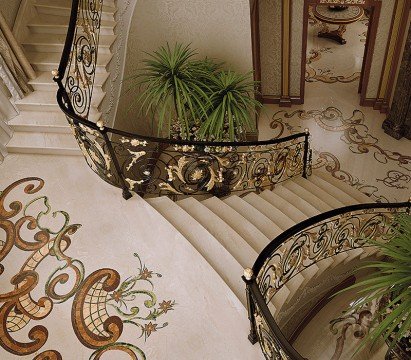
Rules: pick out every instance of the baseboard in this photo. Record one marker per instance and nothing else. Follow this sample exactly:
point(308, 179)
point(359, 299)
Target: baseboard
point(293, 100)
point(369, 102)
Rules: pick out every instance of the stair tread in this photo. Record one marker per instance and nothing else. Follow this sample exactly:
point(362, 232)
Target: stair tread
point(320, 193)
point(43, 140)
point(304, 206)
point(207, 245)
point(284, 206)
point(66, 4)
point(59, 39)
point(41, 122)
point(45, 78)
point(48, 98)
point(333, 190)
point(356, 194)
point(307, 196)
point(274, 214)
point(62, 21)
point(53, 58)
point(231, 240)
point(247, 230)
point(40, 118)
point(253, 215)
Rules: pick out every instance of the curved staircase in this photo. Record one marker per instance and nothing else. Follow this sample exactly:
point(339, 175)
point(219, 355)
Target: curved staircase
point(230, 233)
point(40, 127)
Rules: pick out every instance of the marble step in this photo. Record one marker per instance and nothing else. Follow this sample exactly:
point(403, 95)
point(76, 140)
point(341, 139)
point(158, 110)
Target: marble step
point(333, 190)
point(320, 193)
point(46, 101)
point(63, 8)
point(43, 143)
point(55, 43)
point(45, 82)
point(354, 193)
point(246, 229)
point(207, 245)
point(305, 207)
point(308, 196)
point(285, 206)
point(254, 216)
point(229, 238)
point(45, 24)
point(48, 61)
point(275, 215)
point(33, 121)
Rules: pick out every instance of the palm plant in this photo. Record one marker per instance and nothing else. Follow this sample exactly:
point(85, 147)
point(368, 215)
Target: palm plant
point(391, 280)
point(193, 96)
point(172, 87)
point(232, 105)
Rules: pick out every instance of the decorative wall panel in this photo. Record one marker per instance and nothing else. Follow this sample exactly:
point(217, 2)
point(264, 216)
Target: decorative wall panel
point(382, 38)
point(297, 16)
point(270, 47)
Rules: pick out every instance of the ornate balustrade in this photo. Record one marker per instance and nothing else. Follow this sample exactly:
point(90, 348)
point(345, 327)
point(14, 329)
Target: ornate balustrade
point(158, 166)
point(298, 248)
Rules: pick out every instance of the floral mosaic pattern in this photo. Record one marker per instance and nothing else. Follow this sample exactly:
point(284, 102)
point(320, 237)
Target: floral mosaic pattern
point(103, 304)
point(325, 75)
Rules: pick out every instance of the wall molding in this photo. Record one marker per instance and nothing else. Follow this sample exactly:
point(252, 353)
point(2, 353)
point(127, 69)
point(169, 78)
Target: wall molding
point(285, 99)
point(392, 58)
point(293, 100)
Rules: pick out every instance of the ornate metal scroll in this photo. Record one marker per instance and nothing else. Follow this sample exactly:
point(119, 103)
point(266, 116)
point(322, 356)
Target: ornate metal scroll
point(270, 346)
point(167, 169)
point(322, 240)
point(94, 148)
point(83, 56)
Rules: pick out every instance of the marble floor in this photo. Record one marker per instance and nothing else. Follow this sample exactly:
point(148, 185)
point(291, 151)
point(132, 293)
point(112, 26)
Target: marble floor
point(347, 139)
point(88, 290)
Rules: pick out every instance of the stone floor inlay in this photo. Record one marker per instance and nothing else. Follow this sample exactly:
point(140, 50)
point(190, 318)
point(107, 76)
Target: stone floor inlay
point(103, 303)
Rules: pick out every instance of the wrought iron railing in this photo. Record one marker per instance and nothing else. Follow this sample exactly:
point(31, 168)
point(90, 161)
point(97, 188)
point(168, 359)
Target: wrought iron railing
point(158, 166)
point(305, 244)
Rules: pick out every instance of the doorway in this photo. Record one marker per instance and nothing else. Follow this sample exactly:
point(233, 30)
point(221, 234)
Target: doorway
point(338, 43)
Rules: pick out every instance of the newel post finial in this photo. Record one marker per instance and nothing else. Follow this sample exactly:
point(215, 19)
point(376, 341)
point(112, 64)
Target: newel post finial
point(248, 274)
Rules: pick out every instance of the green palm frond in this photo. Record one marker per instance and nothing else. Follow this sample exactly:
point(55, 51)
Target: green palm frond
point(175, 87)
point(232, 105)
point(391, 279)
point(171, 86)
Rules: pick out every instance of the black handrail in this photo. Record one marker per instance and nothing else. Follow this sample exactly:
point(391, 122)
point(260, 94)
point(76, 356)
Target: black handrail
point(274, 244)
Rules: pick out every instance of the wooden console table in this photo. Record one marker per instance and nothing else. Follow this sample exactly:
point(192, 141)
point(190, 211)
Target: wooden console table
point(340, 18)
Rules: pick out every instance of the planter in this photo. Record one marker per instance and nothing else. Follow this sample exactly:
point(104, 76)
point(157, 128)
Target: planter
point(402, 350)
